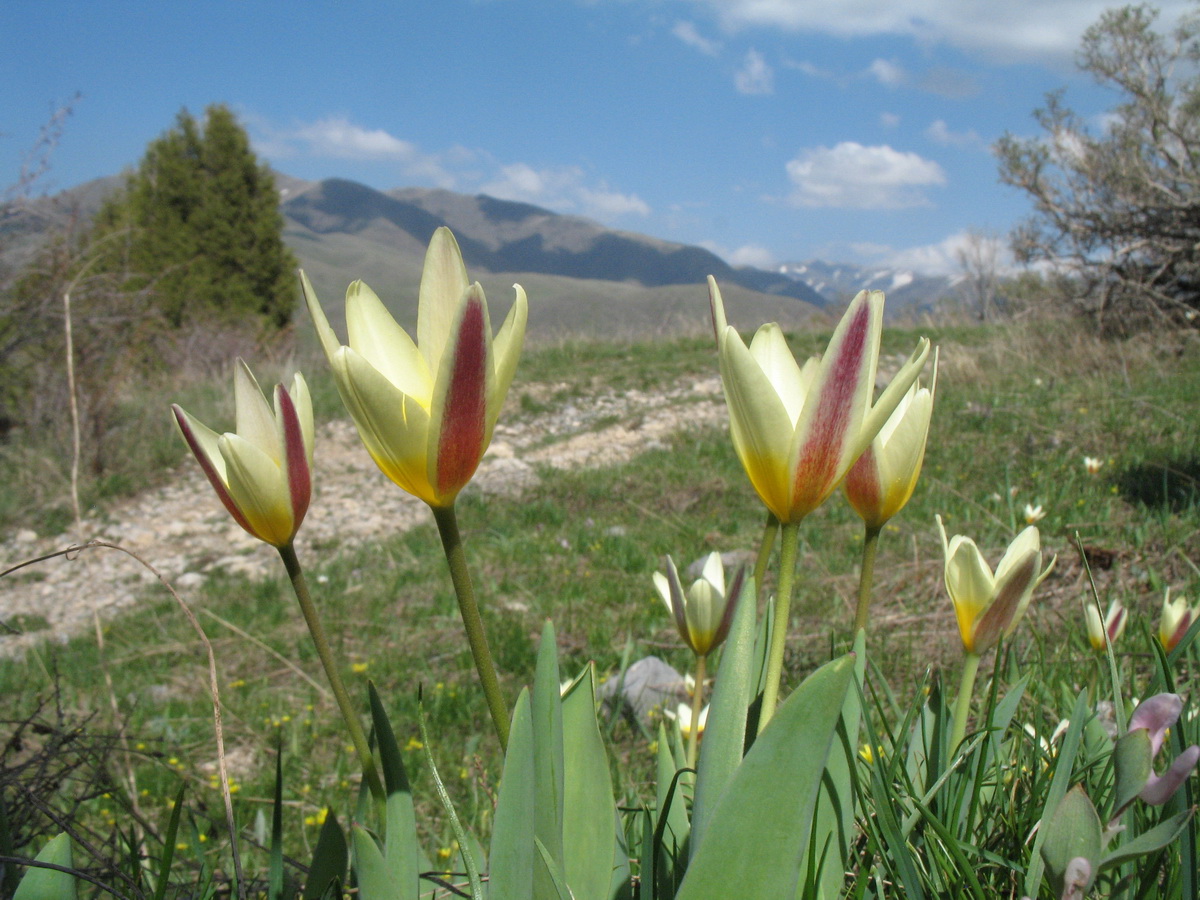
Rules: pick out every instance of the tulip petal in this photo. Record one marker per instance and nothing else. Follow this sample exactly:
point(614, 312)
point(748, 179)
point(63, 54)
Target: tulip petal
point(679, 605)
point(664, 591)
point(506, 352)
point(717, 307)
point(759, 424)
point(1028, 541)
point(254, 418)
point(458, 414)
point(882, 410)
point(257, 486)
point(970, 585)
point(443, 283)
point(864, 487)
point(375, 335)
point(204, 444)
point(1012, 596)
point(297, 462)
point(1160, 788)
point(325, 333)
point(393, 426)
point(770, 350)
point(827, 438)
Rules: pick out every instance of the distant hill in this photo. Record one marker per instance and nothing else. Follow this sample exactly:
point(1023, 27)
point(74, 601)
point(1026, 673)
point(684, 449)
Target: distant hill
point(582, 278)
point(907, 291)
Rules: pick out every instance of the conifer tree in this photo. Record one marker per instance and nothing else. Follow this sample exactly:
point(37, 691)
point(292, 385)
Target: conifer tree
point(203, 227)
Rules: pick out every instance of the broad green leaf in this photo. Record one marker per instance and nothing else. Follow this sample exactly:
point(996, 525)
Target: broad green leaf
point(512, 849)
point(546, 707)
point(1073, 831)
point(371, 869)
point(401, 849)
point(589, 842)
point(329, 860)
point(760, 828)
point(49, 884)
point(1132, 765)
point(725, 733)
point(1151, 841)
point(549, 870)
point(833, 820)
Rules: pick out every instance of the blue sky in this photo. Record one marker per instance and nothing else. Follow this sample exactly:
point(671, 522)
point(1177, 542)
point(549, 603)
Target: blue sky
point(765, 130)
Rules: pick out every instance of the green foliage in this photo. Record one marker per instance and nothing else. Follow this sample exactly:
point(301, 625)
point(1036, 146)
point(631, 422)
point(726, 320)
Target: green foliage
point(201, 229)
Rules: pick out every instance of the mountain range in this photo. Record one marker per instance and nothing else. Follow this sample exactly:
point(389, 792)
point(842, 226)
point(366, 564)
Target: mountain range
point(581, 277)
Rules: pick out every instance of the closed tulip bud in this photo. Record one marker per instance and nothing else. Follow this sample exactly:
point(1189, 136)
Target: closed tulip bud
point(704, 612)
point(262, 472)
point(989, 606)
point(885, 476)
point(1177, 618)
point(799, 429)
point(425, 411)
point(1113, 624)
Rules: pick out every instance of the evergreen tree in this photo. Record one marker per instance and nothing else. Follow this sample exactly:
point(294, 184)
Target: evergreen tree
point(203, 231)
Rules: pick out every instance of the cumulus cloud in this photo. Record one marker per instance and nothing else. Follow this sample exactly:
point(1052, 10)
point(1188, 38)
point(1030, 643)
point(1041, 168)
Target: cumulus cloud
point(939, 132)
point(944, 257)
point(755, 76)
point(563, 189)
point(852, 176)
point(1018, 29)
point(751, 255)
point(690, 35)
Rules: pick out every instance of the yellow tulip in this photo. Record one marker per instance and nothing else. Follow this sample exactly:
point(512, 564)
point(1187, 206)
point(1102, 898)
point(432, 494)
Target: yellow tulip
point(425, 411)
point(263, 472)
point(885, 476)
point(704, 612)
point(1113, 623)
point(1177, 618)
point(798, 430)
point(989, 606)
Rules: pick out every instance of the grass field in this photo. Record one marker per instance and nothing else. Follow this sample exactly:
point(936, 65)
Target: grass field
point(1018, 408)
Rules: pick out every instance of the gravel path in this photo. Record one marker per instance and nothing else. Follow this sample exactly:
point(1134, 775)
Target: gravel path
point(182, 530)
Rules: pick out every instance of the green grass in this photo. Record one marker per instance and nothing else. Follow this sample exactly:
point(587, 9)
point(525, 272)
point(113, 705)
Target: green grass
point(1017, 409)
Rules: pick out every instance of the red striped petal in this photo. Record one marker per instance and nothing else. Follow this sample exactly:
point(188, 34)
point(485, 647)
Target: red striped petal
point(296, 454)
point(464, 420)
point(210, 471)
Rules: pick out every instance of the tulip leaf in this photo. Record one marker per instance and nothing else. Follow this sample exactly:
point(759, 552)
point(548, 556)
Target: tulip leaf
point(550, 870)
point(512, 849)
point(833, 820)
point(329, 861)
point(725, 731)
point(374, 881)
point(546, 708)
point(1151, 841)
point(764, 815)
point(589, 840)
point(1073, 831)
point(1132, 765)
point(670, 841)
point(401, 849)
point(49, 884)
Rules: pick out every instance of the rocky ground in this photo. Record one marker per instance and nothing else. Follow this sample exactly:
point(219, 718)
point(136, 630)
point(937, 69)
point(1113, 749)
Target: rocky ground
point(183, 532)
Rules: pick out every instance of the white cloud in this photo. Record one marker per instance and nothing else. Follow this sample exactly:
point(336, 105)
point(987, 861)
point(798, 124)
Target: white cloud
point(563, 189)
point(940, 133)
point(688, 33)
point(755, 76)
point(888, 120)
point(1017, 29)
point(852, 176)
point(887, 73)
point(751, 255)
point(943, 258)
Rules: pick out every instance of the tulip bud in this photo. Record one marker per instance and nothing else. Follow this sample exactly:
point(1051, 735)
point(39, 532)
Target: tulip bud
point(1113, 624)
point(704, 613)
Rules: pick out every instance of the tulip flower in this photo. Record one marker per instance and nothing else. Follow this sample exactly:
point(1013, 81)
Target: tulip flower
point(1102, 633)
point(1034, 514)
point(882, 481)
point(1093, 465)
point(262, 472)
point(683, 715)
point(989, 606)
point(1157, 715)
point(1177, 617)
point(798, 430)
point(704, 612)
point(425, 410)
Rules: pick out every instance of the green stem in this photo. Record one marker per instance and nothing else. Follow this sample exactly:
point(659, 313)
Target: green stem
point(866, 578)
point(962, 706)
point(365, 758)
point(697, 705)
point(765, 546)
point(789, 546)
point(447, 523)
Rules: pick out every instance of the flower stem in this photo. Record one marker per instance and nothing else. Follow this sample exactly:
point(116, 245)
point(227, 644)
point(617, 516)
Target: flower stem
point(962, 706)
point(788, 549)
point(365, 758)
point(866, 578)
point(447, 523)
point(766, 545)
point(697, 705)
